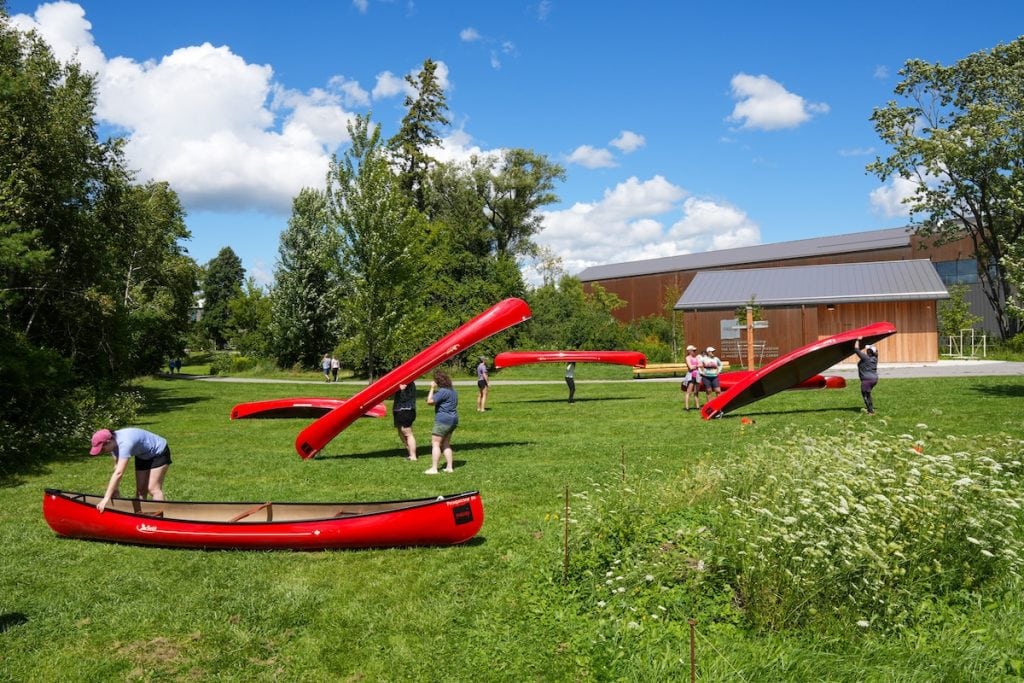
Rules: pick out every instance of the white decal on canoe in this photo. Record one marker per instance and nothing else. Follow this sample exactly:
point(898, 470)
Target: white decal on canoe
point(152, 529)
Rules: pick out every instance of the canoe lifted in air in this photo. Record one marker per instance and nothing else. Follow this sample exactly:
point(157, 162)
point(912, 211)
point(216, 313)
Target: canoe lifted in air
point(507, 359)
point(498, 317)
point(442, 520)
point(793, 368)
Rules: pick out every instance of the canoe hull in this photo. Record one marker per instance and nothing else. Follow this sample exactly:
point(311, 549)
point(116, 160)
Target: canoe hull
point(794, 368)
point(279, 408)
point(497, 318)
point(445, 520)
point(508, 359)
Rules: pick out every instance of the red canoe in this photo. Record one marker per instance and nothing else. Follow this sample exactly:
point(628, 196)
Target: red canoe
point(508, 359)
point(444, 520)
point(727, 380)
point(498, 317)
point(296, 407)
point(793, 368)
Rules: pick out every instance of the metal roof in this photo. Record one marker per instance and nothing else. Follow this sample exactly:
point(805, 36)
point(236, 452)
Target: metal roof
point(912, 280)
point(891, 238)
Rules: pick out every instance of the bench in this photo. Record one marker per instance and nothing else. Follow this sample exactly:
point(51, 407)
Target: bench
point(665, 369)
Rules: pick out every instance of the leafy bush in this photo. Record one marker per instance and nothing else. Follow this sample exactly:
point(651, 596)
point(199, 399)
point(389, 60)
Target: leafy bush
point(862, 527)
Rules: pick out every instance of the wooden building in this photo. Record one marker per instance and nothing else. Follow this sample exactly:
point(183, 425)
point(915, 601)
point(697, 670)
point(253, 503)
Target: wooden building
point(648, 286)
point(799, 305)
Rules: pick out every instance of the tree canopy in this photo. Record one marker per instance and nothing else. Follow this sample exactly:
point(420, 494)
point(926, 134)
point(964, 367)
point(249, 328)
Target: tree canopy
point(958, 134)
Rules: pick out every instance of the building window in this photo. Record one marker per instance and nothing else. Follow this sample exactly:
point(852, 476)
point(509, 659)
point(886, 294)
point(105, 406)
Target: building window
point(959, 272)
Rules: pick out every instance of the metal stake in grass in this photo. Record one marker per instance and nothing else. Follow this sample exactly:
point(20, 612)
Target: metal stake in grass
point(693, 656)
point(622, 462)
point(565, 541)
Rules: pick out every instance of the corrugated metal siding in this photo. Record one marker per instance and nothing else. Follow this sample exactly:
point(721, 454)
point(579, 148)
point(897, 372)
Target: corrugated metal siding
point(914, 280)
point(892, 238)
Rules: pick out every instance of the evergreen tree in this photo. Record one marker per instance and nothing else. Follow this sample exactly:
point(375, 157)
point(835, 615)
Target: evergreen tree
point(306, 298)
point(222, 282)
point(419, 132)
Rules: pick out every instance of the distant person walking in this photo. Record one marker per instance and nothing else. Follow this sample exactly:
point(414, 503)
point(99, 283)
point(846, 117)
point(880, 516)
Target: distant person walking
point(335, 366)
point(570, 380)
point(446, 418)
point(867, 371)
point(403, 409)
point(325, 365)
point(152, 458)
point(710, 366)
point(483, 383)
point(692, 381)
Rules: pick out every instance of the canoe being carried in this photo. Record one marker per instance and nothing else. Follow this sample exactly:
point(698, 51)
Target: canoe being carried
point(498, 317)
point(508, 359)
point(794, 368)
point(274, 408)
point(444, 520)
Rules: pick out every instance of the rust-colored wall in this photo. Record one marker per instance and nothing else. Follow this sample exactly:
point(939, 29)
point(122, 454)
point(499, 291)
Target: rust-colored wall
point(792, 327)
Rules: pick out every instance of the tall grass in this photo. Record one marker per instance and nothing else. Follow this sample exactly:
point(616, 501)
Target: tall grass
point(652, 544)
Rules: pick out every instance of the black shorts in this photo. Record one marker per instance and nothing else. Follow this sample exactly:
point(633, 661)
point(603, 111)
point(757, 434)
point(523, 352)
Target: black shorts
point(481, 383)
point(143, 464)
point(404, 418)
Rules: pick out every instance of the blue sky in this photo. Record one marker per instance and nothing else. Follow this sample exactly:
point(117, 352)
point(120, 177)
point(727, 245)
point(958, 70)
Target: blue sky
point(682, 126)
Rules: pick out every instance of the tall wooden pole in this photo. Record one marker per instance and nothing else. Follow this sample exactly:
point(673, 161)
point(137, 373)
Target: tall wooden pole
point(750, 337)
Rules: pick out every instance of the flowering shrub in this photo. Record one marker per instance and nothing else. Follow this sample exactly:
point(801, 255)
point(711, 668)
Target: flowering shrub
point(864, 527)
point(857, 528)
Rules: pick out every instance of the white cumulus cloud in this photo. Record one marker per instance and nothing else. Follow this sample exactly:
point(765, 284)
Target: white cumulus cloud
point(630, 223)
point(469, 34)
point(591, 157)
point(765, 104)
point(888, 199)
point(628, 141)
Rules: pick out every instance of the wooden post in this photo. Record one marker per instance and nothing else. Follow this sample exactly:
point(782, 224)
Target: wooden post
point(750, 337)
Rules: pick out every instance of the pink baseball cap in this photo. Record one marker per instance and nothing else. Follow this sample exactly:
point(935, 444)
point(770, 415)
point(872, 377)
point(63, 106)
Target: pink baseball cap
point(98, 439)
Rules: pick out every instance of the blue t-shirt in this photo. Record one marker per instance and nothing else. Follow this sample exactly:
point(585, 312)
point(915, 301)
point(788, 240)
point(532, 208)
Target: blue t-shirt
point(446, 405)
point(138, 442)
point(481, 371)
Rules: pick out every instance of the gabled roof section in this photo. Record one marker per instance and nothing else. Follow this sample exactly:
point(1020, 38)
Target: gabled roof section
point(913, 280)
point(891, 238)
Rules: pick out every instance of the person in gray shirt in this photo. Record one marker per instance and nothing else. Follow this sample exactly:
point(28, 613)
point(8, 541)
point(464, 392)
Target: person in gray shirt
point(867, 370)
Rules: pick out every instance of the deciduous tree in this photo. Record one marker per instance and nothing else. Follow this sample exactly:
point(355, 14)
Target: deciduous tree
point(958, 134)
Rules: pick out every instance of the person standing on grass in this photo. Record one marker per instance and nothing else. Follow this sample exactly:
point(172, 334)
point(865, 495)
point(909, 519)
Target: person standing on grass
point(867, 371)
point(692, 382)
point(403, 409)
point(152, 458)
point(482, 384)
point(446, 418)
point(335, 366)
point(710, 366)
point(325, 365)
point(570, 380)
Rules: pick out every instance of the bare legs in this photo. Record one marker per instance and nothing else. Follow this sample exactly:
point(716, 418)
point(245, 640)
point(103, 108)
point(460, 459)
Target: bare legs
point(481, 400)
point(150, 483)
point(408, 439)
point(439, 445)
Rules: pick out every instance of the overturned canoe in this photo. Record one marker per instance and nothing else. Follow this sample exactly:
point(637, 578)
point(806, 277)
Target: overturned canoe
point(507, 359)
point(296, 407)
point(444, 520)
point(794, 367)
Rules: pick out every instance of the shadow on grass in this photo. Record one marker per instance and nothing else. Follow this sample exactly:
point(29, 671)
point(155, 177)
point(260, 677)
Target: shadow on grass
point(1002, 390)
point(159, 400)
point(578, 399)
point(424, 457)
point(795, 411)
point(9, 620)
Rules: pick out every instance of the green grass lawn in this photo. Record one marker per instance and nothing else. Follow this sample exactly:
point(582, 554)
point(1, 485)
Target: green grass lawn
point(493, 609)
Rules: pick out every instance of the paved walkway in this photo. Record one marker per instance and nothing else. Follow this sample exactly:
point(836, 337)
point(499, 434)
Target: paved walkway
point(942, 368)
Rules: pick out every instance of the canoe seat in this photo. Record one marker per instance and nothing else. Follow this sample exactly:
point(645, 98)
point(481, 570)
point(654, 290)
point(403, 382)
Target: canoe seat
point(252, 511)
